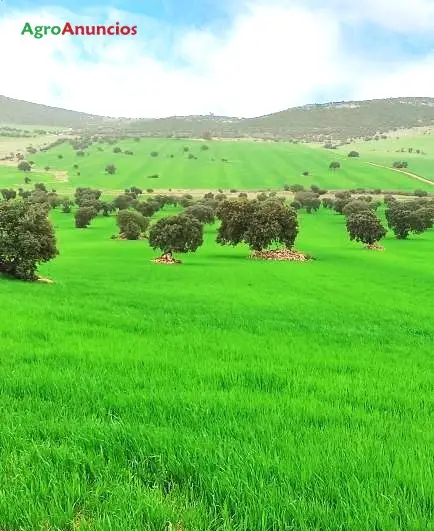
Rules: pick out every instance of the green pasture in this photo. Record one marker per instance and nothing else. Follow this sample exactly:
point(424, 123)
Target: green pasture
point(248, 166)
point(224, 393)
point(386, 151)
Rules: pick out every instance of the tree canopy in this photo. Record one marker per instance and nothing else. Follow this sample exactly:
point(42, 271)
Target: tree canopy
point(259, 224)
point(131, 224)
point(27, 238)
point(365, 227)
point(410, 217)
point(181, 234)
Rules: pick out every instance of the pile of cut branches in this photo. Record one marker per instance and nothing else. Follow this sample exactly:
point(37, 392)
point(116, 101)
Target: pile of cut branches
point(281, 255)
point(166, 258)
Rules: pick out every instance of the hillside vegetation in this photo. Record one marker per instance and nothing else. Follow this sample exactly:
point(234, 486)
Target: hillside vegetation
point(337, 121)
point(25, 113)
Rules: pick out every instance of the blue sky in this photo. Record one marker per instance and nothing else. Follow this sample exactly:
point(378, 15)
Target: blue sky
point(176, 12)
point(233, 57)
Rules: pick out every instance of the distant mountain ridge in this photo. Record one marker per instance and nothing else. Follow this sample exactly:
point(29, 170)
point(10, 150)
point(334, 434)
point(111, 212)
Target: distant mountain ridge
point(18, 112)
point(314, 122)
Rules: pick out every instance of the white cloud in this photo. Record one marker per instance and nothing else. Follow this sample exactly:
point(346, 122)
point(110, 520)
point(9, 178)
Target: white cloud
point(272, 57)
point(410, 79)
point(397, 15)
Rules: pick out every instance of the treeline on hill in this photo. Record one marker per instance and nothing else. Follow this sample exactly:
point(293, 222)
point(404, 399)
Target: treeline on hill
point(338, 121)
point(20, 112)
point(267, 224)
point(14, 132)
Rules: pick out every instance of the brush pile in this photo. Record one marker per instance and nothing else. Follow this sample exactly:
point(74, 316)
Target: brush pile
point(374, 247)
point(123, 237)
point(281, 255)
point(166, 258)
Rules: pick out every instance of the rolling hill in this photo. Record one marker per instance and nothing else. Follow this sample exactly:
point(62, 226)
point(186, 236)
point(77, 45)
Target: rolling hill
point(338, 121)
point(25, 113)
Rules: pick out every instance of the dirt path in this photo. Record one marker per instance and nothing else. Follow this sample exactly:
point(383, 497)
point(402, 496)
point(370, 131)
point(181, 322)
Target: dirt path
point(413, 175)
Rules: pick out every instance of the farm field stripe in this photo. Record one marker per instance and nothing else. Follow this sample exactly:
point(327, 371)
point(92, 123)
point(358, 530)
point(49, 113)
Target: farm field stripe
point(413, 175)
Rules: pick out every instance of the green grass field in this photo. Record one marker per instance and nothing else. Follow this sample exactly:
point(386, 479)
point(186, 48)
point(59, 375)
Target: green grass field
point(387, 151)
point(222, 394)
point(11, 144)
point(250, 166)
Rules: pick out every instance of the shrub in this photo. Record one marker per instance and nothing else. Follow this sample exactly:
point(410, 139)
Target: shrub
point(399, 164)
point(148, 208)
point(407, 217)
point(83, 216)
point(8, 194)
point(87, 196)
point(328, 202)
point(107, 208)
point(202, 212)
point(154, 153)
point(117, 149)
point(356, 206)
point(420, 193)
point(40, 186)
point(353, 154)
point(343, 195)
point(24, 166)
point(308, 200)
point(131, 224)
point(66, 205)
point(335, 165)
point(123, 201)
point(110, 169)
